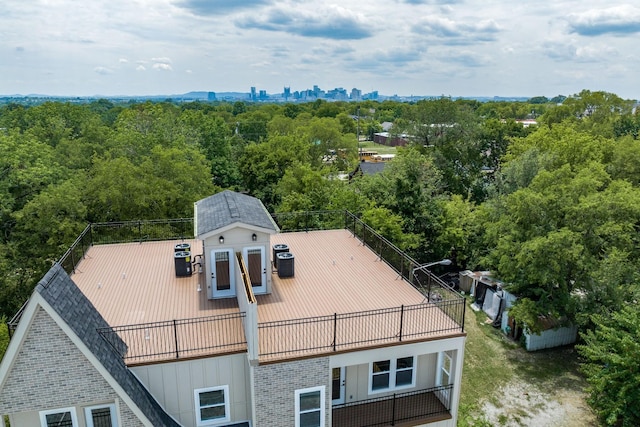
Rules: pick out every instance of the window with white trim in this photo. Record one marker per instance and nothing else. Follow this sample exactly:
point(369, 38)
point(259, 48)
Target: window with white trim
point(392, 374)
point(212, 405)
point(64, 417)
point(309, 407)
point(101, 416)
point(447, 363)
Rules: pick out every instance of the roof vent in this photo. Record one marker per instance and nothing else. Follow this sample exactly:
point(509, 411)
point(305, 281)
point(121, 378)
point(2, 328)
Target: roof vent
point(285, 264)
point(278, 248)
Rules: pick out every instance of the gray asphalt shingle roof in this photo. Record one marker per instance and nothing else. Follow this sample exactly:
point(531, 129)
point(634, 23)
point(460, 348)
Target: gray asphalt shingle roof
point(225, 208)
point(57, 288)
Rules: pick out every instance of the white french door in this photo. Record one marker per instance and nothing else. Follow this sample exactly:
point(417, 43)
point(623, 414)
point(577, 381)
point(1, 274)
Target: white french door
point(338, 385)
point(254, 259)
point(223, 282)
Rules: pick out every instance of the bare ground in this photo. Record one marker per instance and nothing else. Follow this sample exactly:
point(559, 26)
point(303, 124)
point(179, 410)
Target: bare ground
point(524, 404)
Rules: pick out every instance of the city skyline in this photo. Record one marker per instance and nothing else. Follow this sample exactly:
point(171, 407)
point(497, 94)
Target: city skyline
point(459, 48)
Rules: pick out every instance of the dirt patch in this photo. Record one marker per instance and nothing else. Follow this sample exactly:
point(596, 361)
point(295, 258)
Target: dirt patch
point(524, 404)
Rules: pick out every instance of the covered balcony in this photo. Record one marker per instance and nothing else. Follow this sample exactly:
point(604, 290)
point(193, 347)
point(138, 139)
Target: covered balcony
point(402, 409)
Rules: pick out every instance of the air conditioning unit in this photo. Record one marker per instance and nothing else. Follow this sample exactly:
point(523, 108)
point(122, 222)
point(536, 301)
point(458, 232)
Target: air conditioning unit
point(277, 249)
point(285, 264)
point(183, 263)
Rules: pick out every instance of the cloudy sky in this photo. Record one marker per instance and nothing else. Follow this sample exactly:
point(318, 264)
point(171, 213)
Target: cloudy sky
point(404, 47)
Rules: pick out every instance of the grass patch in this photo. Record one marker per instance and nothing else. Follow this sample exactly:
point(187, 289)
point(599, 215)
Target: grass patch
point(492, 361)
point(381, 149)
point(486, 368)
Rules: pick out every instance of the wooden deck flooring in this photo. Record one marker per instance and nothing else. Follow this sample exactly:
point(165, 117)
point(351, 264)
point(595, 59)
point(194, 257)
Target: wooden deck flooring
point(135, 283)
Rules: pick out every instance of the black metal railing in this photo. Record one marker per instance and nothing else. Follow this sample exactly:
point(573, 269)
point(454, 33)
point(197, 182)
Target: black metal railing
point(400, 261)
point(309, 220)
point(124, 232)
point(391, 410)
point(141, 231)
point(337, 332)
point(70, 259)
point(176, 339)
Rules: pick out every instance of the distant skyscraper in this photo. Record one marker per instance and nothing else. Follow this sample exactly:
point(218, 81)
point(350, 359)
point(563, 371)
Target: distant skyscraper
point(211, 96)
point(356, 94)
point(287, 93)
point(253, 93)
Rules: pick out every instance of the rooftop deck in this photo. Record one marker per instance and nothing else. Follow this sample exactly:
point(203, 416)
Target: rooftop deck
point(134, 283)
point(341, 288)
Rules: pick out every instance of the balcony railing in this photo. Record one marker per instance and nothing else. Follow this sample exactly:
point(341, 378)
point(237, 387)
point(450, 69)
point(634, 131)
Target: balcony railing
point(338, 332)
point(177, 339)
point(124, 232)
point(424, 405)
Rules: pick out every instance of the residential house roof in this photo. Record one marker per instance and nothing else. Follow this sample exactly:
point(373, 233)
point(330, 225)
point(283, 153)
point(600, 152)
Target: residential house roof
point(367, 168)
point(227, 208)
point(57, 289)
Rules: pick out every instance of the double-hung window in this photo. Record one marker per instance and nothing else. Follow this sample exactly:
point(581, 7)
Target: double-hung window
point(101, 416)
point(212, 405)
point(445, 361)
point(65, 417)
point(309, 407)
point(392, 374)
point(380, 375)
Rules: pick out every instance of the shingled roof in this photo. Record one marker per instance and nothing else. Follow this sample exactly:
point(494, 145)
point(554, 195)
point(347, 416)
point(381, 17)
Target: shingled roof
point(62, 294)
point(226, 208)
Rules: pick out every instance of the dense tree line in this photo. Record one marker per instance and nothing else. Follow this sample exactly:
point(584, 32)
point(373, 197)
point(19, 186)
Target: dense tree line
point(553, 209)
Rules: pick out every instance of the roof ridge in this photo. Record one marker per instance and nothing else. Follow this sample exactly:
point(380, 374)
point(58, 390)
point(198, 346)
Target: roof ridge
point(231, 204)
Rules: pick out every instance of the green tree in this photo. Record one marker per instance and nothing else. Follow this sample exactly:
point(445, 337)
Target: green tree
point(625, 162)
point(390, 226)
point(303, 189)
point(163, 185)
point(456, 229)
point(263, 165)
point(612, 366)
point(50, 222)
point(409, 187)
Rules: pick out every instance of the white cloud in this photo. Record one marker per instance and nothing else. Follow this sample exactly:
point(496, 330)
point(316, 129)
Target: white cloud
point(103, 70)
point(140, 68)
point(619, 20)
point(450, 31)
point(161, 66)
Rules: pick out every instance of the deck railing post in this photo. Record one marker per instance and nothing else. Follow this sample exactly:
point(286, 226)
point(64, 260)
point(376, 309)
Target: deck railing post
point(464, 312)
point(335, 329)
point(393, 411)
point(175, 338)
point(401, 319)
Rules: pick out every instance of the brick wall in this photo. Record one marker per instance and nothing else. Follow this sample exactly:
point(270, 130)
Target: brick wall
point(50, 372)
point(275, 387)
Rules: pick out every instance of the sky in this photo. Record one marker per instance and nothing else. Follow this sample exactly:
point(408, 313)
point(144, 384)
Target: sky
point(404, 47)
